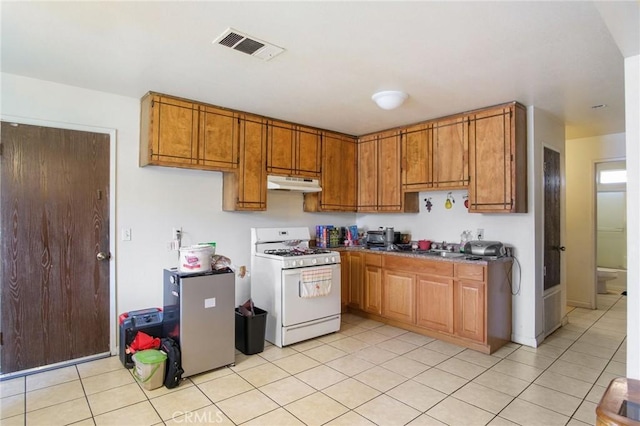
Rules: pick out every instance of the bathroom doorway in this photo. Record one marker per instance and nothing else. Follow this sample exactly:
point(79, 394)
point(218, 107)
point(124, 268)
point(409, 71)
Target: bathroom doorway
point(611, 227)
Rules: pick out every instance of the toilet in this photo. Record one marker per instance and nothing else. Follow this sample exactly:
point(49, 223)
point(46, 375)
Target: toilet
point(604, 275)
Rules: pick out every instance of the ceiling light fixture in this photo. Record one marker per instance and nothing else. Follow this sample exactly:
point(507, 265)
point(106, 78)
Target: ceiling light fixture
point(389, 99)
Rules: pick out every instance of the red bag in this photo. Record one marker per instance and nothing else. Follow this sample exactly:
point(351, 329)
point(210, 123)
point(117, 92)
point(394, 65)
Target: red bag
point(143, 341)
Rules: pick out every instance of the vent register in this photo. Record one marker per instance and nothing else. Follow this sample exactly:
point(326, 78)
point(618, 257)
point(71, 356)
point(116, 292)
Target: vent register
point(247, 44)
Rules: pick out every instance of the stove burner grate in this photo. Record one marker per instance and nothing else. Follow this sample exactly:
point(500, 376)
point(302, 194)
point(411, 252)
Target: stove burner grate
point(297, 251)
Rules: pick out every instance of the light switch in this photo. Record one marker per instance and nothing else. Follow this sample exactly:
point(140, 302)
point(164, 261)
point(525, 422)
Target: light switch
point(126, 234)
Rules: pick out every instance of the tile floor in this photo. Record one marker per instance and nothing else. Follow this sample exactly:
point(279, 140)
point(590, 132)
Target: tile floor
point(368, 373)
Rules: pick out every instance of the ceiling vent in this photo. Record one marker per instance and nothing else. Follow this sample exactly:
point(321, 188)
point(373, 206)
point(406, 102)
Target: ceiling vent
point(247, 44)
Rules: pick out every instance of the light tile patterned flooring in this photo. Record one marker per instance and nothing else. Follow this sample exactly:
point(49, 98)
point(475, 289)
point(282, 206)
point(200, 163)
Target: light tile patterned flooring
point(368, 373)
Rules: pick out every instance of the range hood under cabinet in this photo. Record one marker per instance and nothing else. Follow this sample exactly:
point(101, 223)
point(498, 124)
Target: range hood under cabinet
point(284, 183)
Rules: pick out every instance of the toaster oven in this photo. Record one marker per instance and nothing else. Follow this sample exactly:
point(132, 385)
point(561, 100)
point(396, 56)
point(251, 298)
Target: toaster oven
point(377, 238)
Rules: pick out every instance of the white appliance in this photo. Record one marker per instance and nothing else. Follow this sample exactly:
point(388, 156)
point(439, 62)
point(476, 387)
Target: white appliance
point(285, 183)
point(298, 286)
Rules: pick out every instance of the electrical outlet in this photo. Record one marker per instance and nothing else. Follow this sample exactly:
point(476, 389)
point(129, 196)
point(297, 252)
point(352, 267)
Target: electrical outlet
point(126, 234)
point(175, 233)
point(480, 234)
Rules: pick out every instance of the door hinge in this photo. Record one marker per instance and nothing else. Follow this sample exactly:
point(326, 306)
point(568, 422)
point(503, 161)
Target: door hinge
point(1, 340)
point(544, 271)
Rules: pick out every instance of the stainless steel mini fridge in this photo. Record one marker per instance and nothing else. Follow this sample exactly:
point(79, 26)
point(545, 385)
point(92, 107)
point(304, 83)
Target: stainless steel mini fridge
point(199, 313)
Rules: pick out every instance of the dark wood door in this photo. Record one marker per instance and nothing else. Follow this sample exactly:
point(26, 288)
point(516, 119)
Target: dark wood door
point(54, 222)
point(552, 243)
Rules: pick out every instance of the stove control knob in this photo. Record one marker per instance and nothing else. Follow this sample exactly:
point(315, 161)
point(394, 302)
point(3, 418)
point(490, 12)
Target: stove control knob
point(301, 262)
point(314, 261)
point(333, 259)
point(326, 260)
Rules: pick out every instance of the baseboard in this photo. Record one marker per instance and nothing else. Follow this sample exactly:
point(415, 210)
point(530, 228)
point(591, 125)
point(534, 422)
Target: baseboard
point(527, 341)
point(576, 304)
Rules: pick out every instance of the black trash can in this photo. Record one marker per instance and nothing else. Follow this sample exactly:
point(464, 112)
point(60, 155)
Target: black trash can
point(250, 331)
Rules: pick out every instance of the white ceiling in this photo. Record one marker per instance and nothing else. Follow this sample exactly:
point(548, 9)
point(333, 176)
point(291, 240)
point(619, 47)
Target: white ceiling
point(448, 56)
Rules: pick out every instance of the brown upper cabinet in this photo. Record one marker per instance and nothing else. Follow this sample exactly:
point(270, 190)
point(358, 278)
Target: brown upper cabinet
point(246, 188)
point(450, 153)
point(498, 160)
point(435, 155)
point(484, 151)
point(219, 138)
point(379, 175)
point(293, 150)
point(180, 133)
point(417, 157)
point(338, 178)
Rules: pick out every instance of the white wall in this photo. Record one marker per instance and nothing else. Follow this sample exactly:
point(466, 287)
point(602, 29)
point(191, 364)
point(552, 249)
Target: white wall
point(582, 156)
point(632, 130)
point(153, 200)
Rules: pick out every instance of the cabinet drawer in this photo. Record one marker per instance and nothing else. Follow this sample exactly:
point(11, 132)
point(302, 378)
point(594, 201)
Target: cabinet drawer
point(373, 259)
point(419, 266)
point(470, 272)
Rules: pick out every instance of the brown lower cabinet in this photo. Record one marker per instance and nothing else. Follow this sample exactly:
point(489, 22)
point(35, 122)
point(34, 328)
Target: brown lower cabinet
point(399, 295)
point(355, 262)
point(459, 302)
point(372, 277)
point(434, 302)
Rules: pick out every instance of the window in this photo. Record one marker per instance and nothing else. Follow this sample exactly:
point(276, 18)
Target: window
point(612, 176)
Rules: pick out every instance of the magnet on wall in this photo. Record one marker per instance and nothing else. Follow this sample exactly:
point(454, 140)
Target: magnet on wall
point(466, 200)
point(428, 204)
point(449, 202)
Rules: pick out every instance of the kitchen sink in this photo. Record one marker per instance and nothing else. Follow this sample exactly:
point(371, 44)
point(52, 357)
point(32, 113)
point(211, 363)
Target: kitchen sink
point(451, 254)
point(441, 253)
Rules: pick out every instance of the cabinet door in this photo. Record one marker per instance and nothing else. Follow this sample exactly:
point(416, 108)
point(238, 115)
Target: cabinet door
point(347, 176)
point(247, 188)
point(308, 150)
point(280, 148)
point(416, 158)
point(219, 139)
point(174, 132)
point(389, 173)
point(398, 296)
point(435, 303)
point(368, 174)
point(469, 309)
point(450, 146)
point(356, 284)
point(373, 289)
point(338, 179)
point(494, 149)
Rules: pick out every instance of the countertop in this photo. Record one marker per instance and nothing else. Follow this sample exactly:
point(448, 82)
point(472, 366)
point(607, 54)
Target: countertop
point(423, 255)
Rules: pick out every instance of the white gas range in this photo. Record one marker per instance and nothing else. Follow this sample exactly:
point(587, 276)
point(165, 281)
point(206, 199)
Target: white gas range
point(298, 285)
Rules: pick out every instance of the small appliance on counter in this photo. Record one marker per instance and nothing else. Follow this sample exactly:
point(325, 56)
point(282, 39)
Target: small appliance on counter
point(485, 248)
point(380, 237)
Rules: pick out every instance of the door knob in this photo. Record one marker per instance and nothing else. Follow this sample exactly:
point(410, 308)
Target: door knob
point(561, 248)
point(103, 256)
